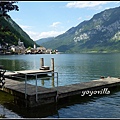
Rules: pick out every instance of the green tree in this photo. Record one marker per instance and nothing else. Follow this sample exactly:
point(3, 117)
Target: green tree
point(6, 6)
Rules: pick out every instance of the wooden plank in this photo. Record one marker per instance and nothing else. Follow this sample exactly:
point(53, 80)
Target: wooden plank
point(20, 86)
point(27, 72)
point(15, 74)
point(33, 71)
point(64, 91)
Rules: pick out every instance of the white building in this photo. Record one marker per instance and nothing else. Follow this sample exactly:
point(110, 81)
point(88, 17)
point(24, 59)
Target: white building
point(34, 46)
point(20, 48)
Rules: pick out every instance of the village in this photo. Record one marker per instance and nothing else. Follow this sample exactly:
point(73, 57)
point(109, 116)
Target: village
point(20, 49)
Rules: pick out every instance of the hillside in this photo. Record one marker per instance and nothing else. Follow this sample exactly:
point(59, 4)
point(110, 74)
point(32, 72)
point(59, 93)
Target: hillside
point(43, 40)
point(10, 33)
point(99, 34)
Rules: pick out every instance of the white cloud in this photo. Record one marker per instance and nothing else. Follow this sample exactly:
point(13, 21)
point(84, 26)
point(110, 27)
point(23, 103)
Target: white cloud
point(17, 19)
point(37, 35)
point(50, 34)
point(88, 4)
point(55, 24)
point(25, 27)
point(80, 18)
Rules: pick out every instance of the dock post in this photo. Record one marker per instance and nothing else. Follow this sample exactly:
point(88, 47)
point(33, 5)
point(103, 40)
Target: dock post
point(41, 62)
point(25, 86)
point(57, 88)
point(53, 81)
point(36, 89)
point(52, 65)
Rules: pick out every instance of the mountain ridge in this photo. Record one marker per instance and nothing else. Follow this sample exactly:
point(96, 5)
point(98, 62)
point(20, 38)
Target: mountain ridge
point(13, 33)
point(99, 34)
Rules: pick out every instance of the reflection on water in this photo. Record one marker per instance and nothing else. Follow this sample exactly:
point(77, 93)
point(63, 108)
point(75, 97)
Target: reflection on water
point(71, 68)
point(6, 98)
point(47, 82)
point(98, 106)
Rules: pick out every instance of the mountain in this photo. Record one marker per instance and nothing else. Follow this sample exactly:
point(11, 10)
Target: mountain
point(10, 33)
point(43, 40)
point(99, 34)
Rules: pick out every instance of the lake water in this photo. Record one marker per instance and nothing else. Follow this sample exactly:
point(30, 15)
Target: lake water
point(71, 68)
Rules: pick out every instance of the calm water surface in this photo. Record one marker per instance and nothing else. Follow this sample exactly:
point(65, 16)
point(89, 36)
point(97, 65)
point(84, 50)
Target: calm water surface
point(71, 68)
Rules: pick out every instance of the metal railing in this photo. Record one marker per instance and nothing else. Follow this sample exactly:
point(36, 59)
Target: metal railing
point(36, 77)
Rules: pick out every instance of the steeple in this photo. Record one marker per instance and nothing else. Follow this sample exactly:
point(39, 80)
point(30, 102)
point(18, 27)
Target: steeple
point(34, 46)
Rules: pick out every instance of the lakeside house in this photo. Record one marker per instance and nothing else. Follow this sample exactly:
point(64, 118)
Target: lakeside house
point(20, 49)
point(3, 49)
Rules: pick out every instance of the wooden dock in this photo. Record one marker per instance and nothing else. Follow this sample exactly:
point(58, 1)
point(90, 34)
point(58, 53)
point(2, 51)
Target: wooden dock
point(30, 95)
point(10, 74)
point(17, 89)
point(94, 87)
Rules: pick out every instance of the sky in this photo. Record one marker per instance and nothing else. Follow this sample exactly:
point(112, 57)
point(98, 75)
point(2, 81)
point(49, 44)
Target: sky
point(42, 19)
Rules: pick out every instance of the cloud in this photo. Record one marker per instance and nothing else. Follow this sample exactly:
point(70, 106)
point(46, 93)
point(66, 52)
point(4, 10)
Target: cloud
point(50, 34)
point(80, 18)
point(25, 26)
point(17, 19)
point(55, 24)
point(87, 4)
point(37, 35)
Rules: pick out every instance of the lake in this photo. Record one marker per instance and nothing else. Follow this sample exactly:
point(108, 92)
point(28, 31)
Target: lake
point(71, 68)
